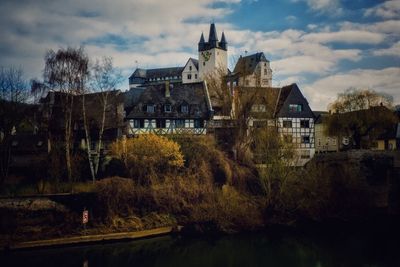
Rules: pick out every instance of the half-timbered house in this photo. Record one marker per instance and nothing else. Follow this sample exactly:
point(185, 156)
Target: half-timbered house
point(170, 108)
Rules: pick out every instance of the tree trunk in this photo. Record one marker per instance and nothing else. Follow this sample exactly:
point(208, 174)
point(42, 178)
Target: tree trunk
point(87, 134)
point(68, 123)
point(103, 119)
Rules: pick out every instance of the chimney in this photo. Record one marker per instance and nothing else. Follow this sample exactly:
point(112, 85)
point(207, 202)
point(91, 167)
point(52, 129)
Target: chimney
point(167, 91)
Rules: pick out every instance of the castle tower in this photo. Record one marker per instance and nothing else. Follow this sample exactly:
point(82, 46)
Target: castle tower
point(213, 54)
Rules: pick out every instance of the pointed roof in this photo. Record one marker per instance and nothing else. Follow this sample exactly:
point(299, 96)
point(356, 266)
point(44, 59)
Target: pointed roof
point(201, 39)
point(223, 40)
point(291, 94)
point(249, 63)
point(212, 37)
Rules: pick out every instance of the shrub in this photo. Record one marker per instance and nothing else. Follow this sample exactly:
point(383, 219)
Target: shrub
point(148, 155)
point(115, 197)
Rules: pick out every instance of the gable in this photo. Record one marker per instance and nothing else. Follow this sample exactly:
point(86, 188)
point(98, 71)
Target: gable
point(191, 63)
point(291, 95)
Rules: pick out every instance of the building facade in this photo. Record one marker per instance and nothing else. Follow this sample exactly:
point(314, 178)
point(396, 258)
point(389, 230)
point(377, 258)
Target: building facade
point(323, 142)
point(169, 109)
point(252, 71)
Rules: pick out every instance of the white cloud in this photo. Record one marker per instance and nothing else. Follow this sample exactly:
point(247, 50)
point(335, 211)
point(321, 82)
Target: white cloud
point(350, 36)
point(394, 50)
point(325, 90)
point(146, 27)
point(331, 7)
point(387, 10)
point(290, 18)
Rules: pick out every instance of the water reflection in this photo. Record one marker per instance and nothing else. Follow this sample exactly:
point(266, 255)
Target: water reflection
point(238, 250)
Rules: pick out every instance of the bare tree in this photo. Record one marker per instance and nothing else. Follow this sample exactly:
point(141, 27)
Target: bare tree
point(105, 78)
point(13, 94)
point(66, 71)
point(360, 114)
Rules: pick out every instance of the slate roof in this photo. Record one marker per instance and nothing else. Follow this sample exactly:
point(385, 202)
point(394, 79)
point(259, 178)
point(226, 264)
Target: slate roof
point(157, 73)
point(249, 63)
point(265, 96)
point(212, 40)
point(319, 116)
point(291, 94)
point(194, 95)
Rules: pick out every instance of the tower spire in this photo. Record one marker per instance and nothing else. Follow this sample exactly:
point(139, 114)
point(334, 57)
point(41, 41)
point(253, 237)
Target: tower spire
point(223, 42)
point(212, 37)
point(201, 42)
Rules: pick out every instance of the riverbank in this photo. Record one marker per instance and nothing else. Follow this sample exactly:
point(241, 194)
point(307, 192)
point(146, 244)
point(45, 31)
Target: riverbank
point(91, 239)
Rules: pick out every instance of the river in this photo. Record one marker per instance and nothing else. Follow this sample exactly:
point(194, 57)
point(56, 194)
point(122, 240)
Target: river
point(273, 248)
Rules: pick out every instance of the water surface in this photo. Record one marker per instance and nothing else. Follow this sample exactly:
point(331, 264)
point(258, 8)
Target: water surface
point(279, 248)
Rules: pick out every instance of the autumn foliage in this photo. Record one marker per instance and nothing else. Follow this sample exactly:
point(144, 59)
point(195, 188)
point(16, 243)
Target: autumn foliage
point(147, 155)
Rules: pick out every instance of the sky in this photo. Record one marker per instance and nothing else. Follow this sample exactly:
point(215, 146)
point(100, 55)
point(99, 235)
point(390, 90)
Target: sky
point(325, 46)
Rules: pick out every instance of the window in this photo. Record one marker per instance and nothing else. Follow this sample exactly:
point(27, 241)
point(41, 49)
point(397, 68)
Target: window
point(189, 76)
point(305, 154)
point(150, 108)
point(259, 124)
point(204, 63)
point(198, 124)
point(167, 108)
point(295, 108)
point(39, 143)
point(265, 64)
point(184, 108)
point(180, 123)
point(195, 76)
point(160, 123)
point(190, 67)
point(265, 72)
point(304, 123)
point(258, 108)
point(287, 124)
point(305, 139)
point(137, 123)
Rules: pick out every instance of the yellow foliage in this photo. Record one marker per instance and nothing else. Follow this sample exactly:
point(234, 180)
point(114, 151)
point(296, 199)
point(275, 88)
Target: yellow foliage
point(148, 154)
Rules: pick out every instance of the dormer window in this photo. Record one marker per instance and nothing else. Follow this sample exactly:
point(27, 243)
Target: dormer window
point(295, 108)
point(167, 108)
point(184, 108)
point(150, 108)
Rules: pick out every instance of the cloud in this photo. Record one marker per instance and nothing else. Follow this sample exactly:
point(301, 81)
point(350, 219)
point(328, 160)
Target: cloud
point(146, 27)
point(394, 50)
point(350, 36)
point(291, 18)
point(325, 90)
point(331, 7)
point(387, 10)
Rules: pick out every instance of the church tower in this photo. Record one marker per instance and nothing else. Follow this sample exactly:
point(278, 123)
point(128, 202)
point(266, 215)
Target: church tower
point(213, 54)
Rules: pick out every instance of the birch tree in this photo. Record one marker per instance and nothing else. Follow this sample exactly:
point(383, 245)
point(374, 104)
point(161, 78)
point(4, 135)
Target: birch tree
point(66, 71)
point(104, 79)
